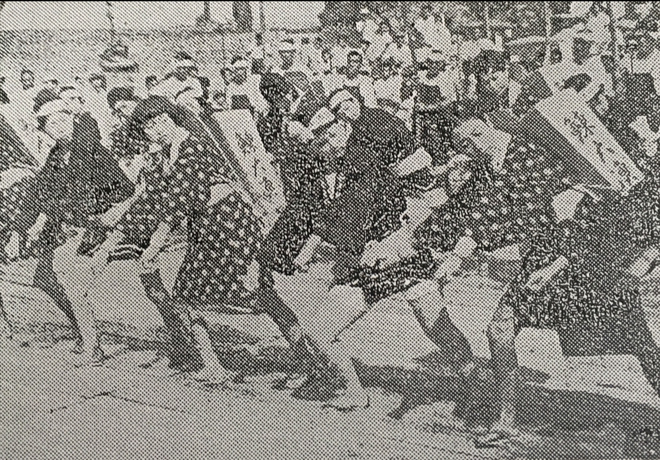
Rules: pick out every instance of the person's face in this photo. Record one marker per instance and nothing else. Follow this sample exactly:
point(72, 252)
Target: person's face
point(51, 85)
point(27, 79)
point(59, 126)
point(97, 84)
point(159, 129)
point(349, 110)
point(74, 102)
point(239, 75)
point(496, 80)
point(123, 110)
point(354, 65)
point(287, 58)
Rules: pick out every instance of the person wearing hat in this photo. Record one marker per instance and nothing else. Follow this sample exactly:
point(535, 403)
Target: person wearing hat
point(288, 62)
point(243, 89)
point(388, 88)
point(74, 185)
point(368, 207)
point(379, 42)
point(367, 25)
point(51, 83)
point(194, 181)
point(4, 98)
point(399, 50)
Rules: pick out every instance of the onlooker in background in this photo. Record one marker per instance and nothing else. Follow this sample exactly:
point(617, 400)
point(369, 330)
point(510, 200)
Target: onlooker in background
point(51, 83)
point(99, 83)
point(367, 25)
point(150, 82)
point(399, 50)
point(243, 89)
point(340, 52)
point(358, 84)
point(4, 99)
point(379, 42)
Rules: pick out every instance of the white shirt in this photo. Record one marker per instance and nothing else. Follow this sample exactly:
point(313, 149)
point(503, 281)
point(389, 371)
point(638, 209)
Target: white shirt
point(365, 84)
point(249, 88)
point(401, 55)
point(367, 28)
point(378, 46)
point(340, 56)
point(389, 88)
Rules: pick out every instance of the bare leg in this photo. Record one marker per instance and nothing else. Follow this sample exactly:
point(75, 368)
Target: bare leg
point(213, 371)
point(304, 349)
point(79, 282)
point(354, 396)
point(5, 328)
point(46, 280)
point(183, 355)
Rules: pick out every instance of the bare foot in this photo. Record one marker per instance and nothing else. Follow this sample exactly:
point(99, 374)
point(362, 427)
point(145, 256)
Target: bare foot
point(500, 434)
point(292, 381)
point(212, 374)
point(93, 357)
point(349, 401)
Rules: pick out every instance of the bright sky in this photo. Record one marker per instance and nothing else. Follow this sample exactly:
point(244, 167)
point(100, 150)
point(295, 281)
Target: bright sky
point(146, 15)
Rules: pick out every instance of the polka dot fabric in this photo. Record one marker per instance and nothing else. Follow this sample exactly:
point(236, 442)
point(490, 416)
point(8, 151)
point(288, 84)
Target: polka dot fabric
point(222, 239)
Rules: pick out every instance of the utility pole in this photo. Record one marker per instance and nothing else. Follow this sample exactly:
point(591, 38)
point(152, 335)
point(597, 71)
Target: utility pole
point(262, 17)
point(487, 20)
point(617, 72)
point(548, 30)
point(207, 12)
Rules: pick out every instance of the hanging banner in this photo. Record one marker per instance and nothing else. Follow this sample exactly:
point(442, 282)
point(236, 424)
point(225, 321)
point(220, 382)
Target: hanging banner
point(569, 129)
point(253, 164)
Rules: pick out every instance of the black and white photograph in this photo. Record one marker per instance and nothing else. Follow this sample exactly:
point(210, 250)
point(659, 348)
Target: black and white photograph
point(329, 230)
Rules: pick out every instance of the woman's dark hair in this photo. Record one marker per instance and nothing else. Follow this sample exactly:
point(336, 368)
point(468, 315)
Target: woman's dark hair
point(152, 107)
point(274, 87)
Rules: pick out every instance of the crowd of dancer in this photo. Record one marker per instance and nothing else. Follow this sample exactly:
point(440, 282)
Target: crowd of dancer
point(395, 158)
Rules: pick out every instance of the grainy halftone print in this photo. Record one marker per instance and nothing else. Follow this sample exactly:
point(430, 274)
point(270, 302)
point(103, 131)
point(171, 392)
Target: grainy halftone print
point(329, 230)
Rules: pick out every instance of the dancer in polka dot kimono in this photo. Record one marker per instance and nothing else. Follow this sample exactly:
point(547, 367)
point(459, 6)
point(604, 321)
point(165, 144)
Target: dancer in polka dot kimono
point(587, 251)
point(75, 186)
point(219, 271)
point(499, 190)
point(15, 180)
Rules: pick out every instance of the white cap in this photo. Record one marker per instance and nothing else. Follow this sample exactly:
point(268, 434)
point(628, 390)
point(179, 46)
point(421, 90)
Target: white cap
point(70, 92)
point(286, 45)
point(239, 64)
point(339, 97)
point(51, 107)
point(50, 77)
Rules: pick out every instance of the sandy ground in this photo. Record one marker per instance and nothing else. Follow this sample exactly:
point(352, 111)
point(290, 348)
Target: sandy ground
point(570, 407)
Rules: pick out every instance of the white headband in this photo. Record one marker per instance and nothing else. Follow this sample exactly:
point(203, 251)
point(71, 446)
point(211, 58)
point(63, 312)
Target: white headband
point(339, 97)
point(51, 107)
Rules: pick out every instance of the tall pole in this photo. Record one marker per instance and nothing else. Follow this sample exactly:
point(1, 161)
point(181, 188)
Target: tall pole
point(548, 30)
point(262, 17)
point(487, 20)
point(617, 72)
point(207, 12)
